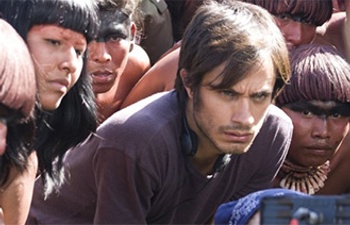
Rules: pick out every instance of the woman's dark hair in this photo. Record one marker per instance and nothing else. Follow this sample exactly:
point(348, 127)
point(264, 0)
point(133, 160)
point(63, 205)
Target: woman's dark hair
point(76, 15)
point(17, 99)
point(75, 118)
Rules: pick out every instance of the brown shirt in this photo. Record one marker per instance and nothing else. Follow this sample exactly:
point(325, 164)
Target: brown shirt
point(133, 171)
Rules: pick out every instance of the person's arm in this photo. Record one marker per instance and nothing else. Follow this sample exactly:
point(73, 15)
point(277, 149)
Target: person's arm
point(16, 195)
point(176, 46)
point(138, 63)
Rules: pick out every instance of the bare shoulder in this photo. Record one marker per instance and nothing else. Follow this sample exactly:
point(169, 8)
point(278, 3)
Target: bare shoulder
point(332, 31)
point(165, 70)
point(343, 153)
point(338, 181)
point(138, 59)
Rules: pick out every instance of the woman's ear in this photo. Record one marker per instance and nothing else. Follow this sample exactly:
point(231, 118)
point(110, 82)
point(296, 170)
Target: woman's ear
point(184, 78)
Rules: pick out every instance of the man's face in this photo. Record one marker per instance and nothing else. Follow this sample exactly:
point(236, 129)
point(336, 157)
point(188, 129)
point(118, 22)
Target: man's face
point(295, 30)
point(108, 54)
point(319, 129)
point(228, 120)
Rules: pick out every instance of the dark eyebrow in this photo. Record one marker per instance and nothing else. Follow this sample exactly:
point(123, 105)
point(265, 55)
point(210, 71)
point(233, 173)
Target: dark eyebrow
point(267, 92)
point(341, 108)
point(233, 92)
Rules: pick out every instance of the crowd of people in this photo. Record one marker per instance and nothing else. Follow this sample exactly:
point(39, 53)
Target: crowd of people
point(170, 112)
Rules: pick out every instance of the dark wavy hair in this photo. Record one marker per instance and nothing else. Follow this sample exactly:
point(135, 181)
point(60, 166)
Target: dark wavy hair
point(235, 33)
point(75, 118)
point(131, 8)
point(17, 99)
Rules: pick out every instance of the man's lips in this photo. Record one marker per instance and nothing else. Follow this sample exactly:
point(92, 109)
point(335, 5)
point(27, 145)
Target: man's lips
point(236, 136)
point(101, 76)
point(102, 73)
point(319, 147)
point(319, 150)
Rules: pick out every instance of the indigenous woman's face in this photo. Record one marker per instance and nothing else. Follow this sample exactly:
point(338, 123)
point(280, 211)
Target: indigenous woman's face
point(319, 129)
point(58, 57)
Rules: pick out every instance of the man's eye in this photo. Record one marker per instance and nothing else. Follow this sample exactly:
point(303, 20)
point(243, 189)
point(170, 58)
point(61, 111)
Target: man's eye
point(336, 115)
point(260, 97)
point(306, 22)
point(115, 38)
point(306, 113)
point(283, 16)
point(228, 93)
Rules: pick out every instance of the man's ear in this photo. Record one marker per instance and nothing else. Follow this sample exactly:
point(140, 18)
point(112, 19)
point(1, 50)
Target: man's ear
point(133, 30)
point(184, 78)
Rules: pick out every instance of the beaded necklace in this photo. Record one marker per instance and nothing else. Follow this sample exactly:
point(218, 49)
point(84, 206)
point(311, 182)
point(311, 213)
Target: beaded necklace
point(304, 179)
